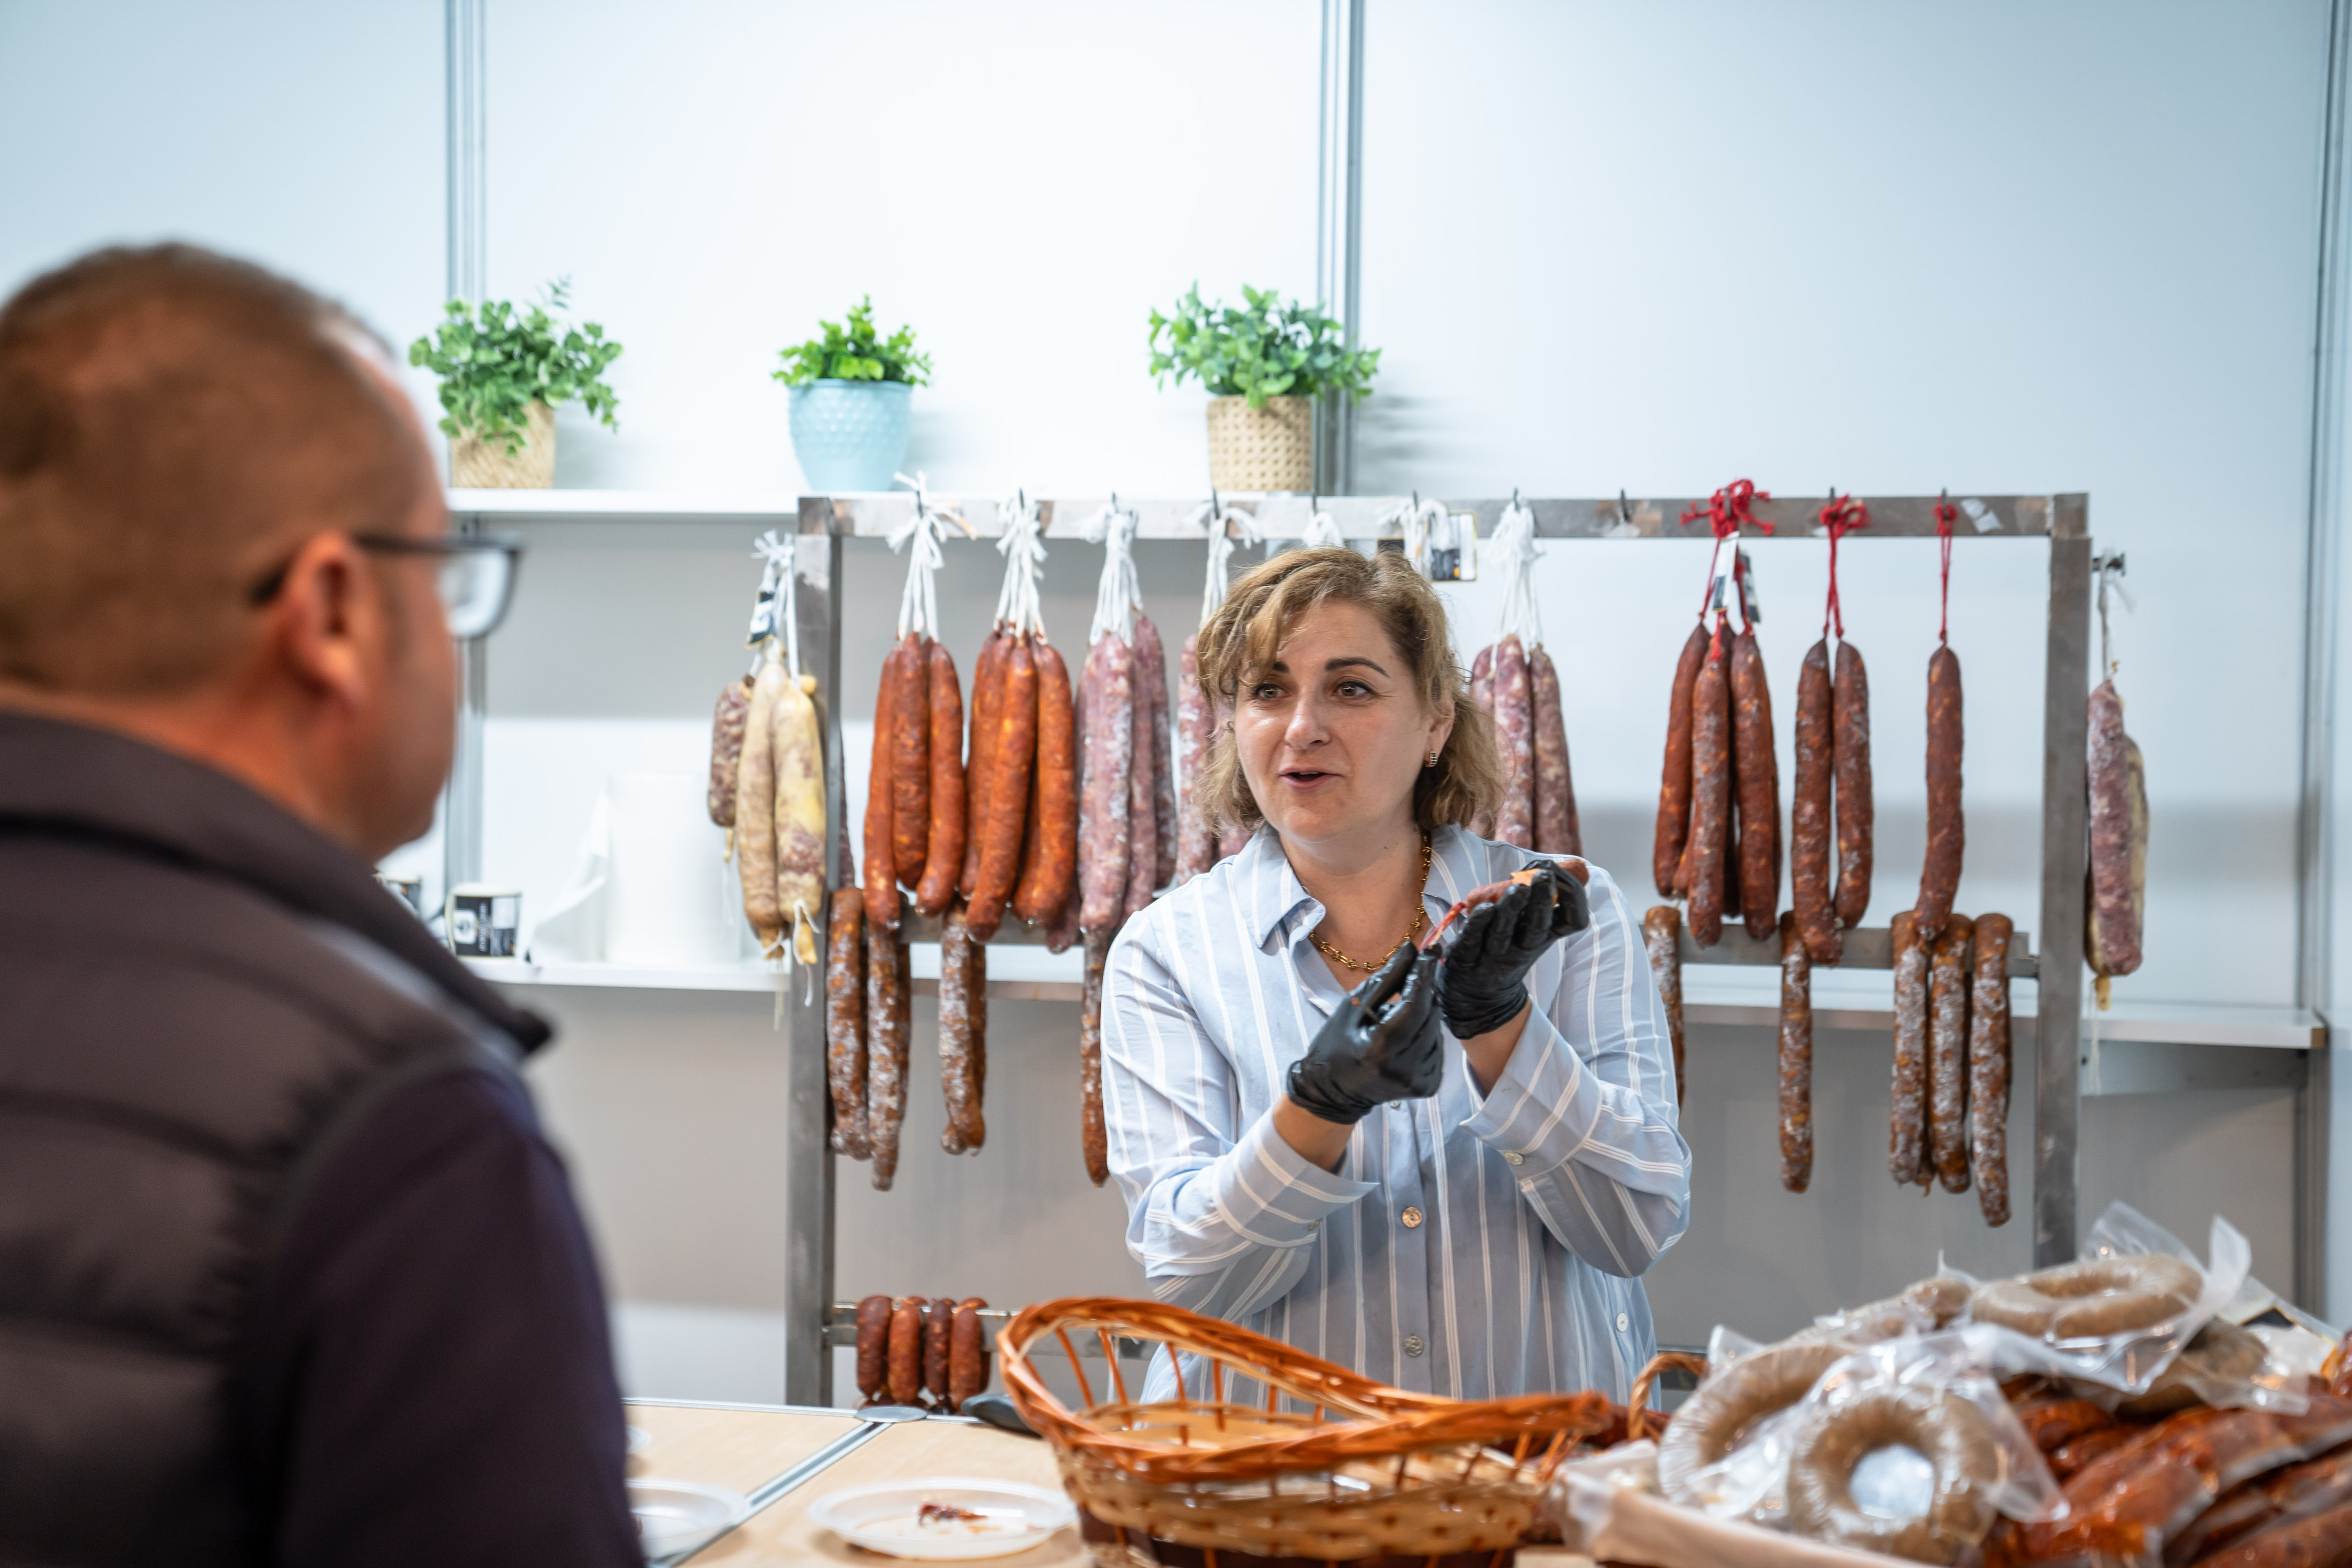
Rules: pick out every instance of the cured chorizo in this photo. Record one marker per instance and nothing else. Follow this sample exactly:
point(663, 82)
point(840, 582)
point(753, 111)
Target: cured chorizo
point(799, 810)
point(1758, 771)
point(1151, 679)
point(1796, 1057)
point(874, 1347)
point(844, 1023)
point(975, 1130)
point(1949, 978)
point(1939, 877)
point(2255, 1513)
point(1710, 798)
point(1662, 929)
point(979, 769)
point(1850, 746)
point(967, 1353)
point(2118, 894)
point(1731, 823)
point(1108, 696)
point(1012, 756)
point(1989, 1067)
point(1049, 856)
point(882, 869)
point(888, 1010)
point(1482, 696)
point(939, 1327)
point(1558, 831)
point(943, 840)
point(1907, 1147)
point(1196, 727)
point(1142, 794)
point(1093, 1139)
point(755, 802)
point(955, 1029)
point(1675, 784)
point(727, 748)
point(1812, 891)
point(1514, 723)
point(906, 1351)
point(910, 761)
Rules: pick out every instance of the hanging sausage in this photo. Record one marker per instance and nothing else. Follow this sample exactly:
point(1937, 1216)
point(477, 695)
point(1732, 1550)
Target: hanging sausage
point(2117, 896)
point(1197, 715)
point(1829, 817)
point(1939, 877)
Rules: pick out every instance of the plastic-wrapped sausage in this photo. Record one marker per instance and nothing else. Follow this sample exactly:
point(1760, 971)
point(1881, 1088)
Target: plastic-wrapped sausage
point(967, 1353)
point(1989, 1065)
point(727, 748)
point(799, 810)
point(1939, 879)
point(874, 1347)
point(1011, 759)
point(955, 1027)
point(1758, 771)
point(910, 762)
point(1558, 832)
point(979, 769)
point(1049, 850)
point(755, 802)
point(1675, 785)
point(2255, 1512)
point(1907, 1147)
point(844, 1024)
point(939, 1329)
point(1662, 929)
point(906, 1351)
point(1107, 699)
point(2118, 894)
point(1811, 892)
point(888, 1033)
point(1948, 977)
point(1514, 723)
point(882, 868)
point(1142, 789)
point(1094, 1140)
point(1151, 677)
point(1850, 745)
point(1796, 1057)
point(1710, 799)
point(1482, 695)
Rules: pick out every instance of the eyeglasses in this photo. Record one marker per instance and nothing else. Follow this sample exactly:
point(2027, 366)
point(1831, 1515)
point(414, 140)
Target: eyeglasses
point(474, 577)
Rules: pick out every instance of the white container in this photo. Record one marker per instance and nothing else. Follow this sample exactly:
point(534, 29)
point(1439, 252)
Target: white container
point(682, 1516)
point(664, 907)
point(880, 1518)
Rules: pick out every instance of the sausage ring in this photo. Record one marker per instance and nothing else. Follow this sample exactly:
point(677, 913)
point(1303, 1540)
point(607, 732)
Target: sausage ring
point(2220, 1350)
point(1948, 1431)
point(1932, 1303)
point(1712, 1421)
point(2092, 1299)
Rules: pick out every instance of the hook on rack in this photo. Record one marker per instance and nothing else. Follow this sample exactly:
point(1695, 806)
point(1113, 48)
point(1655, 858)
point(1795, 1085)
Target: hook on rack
point(1624, 511)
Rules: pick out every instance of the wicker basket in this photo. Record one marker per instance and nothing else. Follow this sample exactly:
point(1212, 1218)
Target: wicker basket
point(477, 464)
point(1268, 449)
point(1352, 1470)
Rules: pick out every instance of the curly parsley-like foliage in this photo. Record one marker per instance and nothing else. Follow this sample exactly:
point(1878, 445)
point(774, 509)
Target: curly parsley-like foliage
point(1268, 347)
point(856, 352)
point(495, 362)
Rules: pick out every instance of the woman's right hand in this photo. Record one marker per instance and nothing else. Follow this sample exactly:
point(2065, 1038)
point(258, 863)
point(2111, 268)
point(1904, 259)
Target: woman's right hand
point(1381, 1043)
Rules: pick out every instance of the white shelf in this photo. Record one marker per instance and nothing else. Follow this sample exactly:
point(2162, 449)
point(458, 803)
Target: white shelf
point(626, 506)
point(1016, 972)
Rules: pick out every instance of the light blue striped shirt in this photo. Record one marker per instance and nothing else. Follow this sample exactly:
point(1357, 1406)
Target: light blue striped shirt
point(1470, 1246)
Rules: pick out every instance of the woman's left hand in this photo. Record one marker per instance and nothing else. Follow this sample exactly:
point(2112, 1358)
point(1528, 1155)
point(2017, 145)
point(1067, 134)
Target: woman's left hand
point(1483, 984)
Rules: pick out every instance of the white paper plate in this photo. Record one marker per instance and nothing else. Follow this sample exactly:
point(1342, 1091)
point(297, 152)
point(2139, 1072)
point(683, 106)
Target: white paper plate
point(680, 1515)
point(878, 1518)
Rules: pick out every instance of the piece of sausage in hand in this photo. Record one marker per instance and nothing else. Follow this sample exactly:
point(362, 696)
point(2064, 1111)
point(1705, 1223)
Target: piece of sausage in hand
point(1483, 984)
point(1381, 1043)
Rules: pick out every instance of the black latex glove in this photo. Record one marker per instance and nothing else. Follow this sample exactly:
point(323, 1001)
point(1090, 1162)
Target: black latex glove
point(1381, 1043)
point(1483, 983)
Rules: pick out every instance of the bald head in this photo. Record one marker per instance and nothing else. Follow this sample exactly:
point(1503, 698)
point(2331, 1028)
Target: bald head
point(174, 425)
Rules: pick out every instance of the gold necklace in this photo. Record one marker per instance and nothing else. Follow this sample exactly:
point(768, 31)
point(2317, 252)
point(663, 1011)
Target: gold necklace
point(1420, 919)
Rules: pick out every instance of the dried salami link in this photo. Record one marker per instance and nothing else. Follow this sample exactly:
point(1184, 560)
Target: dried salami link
point(980, 799)
point(1094, 1140)
point(1989, 1066)
point(975, 1127)
point(939, 1329)
point(844, 1024)
point(1811, 893)
point(727, 748)
point(1482, 696)
point(1142, 794)
point(1049, 858)
point(955, 1027)
point(1151, 678)
point(1675, 784)
point(1710, 800)
point(1947, 1053)
point(1557, 830)
point(943, 858)
point(1104, 795)
point(1796, 1057)
point(1661, 939)
point(799, 812)
point(1759, 789)
point(1514, 723)
point(1012, 755)
point(889, 1009)
point(910, 762)
point(1857, 813)
point(906, 1351)
point(1907, 1147)
point(1939, 877)
point(755, 802)
point(874, 1347)
point(882, 869)
point(2118, 838)
point(967, 1353)
point(1196, 726)
point(1732, 818)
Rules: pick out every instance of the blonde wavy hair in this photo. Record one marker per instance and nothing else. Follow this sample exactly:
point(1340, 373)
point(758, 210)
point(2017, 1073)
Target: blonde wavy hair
point(1242, 641)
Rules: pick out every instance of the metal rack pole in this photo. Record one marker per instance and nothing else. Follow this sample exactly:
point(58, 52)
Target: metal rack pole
point(2065, 830)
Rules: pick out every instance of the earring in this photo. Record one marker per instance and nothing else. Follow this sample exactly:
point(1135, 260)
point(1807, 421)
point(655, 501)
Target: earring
point(1432, 760)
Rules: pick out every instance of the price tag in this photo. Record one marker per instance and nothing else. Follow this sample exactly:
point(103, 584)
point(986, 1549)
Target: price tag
point(1454, 547)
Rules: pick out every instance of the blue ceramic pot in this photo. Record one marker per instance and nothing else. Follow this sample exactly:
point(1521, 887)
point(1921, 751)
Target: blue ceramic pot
point(850, 434)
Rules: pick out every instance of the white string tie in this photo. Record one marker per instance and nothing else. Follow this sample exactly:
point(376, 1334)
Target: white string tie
point(780, 585)
point(1119, 596)
point(1023, 546)
point(1226, 527)
point(1513, 544)
point(919, 605)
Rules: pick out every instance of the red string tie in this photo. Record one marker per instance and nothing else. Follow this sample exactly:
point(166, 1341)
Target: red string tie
point(1727, 511)
point(1841, 517)
point(1946, 515)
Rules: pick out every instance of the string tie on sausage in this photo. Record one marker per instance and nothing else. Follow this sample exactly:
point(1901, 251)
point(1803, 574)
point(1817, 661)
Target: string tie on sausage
point(1226, 526)
point(1023, 545)
point(1841, 517)
point(1946, 515)
point(919, 605)
point(1727, 511)
point(1514, 546)
point(780, 585)
point(1413, 519)
point(1119, 597)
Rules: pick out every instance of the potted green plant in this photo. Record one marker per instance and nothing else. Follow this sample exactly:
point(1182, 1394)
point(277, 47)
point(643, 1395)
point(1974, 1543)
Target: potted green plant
point(851, 389)
point(1263, 364)
point(502, 371)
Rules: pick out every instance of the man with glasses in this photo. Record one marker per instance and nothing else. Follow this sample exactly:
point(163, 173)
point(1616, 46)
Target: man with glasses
point(287, 1272)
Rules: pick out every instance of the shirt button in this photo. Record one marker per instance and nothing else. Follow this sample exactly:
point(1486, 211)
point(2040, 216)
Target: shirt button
point(1411, 1219)
point(1624, 1322)
point(1513, 1157)
point(1412, 1344)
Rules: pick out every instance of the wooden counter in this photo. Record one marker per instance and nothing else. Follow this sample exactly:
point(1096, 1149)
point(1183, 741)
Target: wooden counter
point(741, 1450)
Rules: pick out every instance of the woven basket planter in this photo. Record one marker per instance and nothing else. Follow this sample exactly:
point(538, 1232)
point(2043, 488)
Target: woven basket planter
point(477, 464)
point(1268, 449)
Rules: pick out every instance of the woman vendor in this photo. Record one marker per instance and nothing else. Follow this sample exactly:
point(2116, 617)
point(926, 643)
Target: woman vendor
point(1445, 1172)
